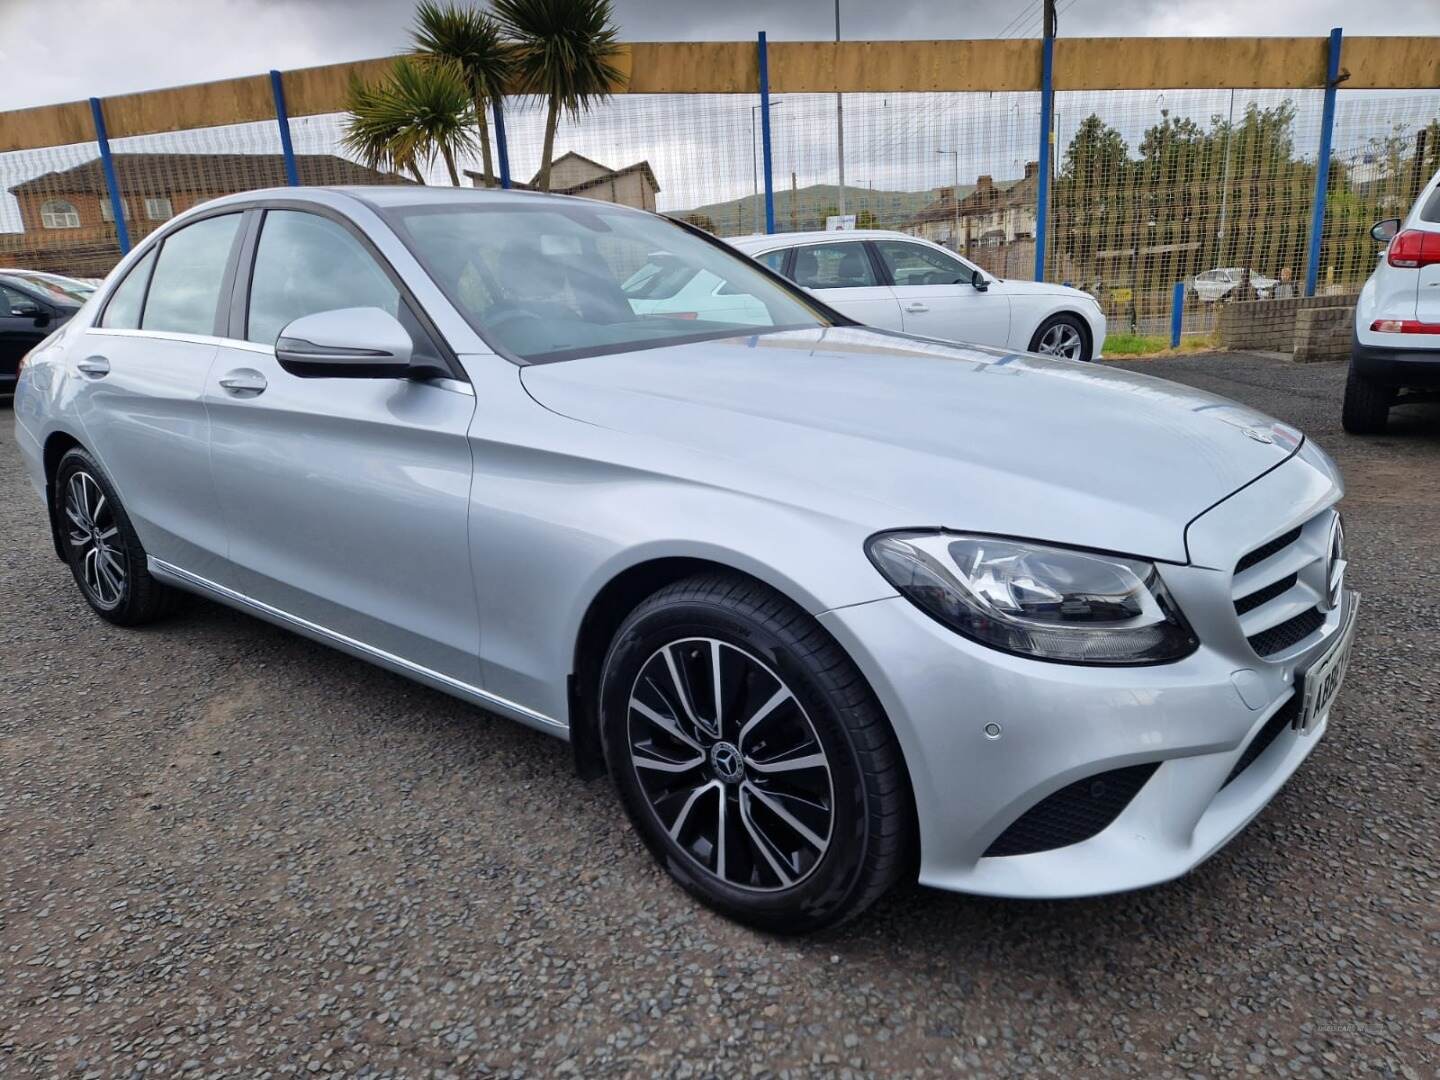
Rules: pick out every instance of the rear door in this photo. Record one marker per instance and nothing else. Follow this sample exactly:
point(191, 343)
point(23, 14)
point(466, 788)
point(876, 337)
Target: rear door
point(938, 298)
point(141, 375)
point(346, 499)
point(841, 274)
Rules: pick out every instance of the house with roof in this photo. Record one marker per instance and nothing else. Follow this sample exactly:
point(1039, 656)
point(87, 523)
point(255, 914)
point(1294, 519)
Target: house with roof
point(573, 174)
point(990, 213)
point(75, 202)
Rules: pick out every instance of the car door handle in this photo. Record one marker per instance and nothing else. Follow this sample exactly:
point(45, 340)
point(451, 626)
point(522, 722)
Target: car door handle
point(243, 383)
point(97, 366)
point(916, 307)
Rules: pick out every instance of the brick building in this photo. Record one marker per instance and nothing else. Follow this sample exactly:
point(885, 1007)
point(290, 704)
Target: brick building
point(573, 174)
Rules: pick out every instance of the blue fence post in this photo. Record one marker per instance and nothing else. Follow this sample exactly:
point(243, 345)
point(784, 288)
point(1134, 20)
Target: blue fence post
point(1042, 189)
point(502, 151)
point(1322, 172)
point(1177, 314)
point(764, 61)
point(107, 163)
point(282, 117)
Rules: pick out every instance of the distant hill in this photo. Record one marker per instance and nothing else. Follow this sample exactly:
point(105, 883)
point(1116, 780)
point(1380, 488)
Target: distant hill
point(747, 215)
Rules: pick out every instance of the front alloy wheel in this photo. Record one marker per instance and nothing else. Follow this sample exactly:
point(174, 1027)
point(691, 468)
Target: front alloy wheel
point(730, 764)
point(1060, 336)
point(752, 756)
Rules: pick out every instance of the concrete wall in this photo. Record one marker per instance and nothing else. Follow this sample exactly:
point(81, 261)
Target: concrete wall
point(1270, 325)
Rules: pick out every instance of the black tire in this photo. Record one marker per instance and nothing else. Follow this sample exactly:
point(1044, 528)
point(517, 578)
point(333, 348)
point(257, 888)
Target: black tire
point(1366, 410)
point(1073, 322)
point(139, 598)
point(870, 810)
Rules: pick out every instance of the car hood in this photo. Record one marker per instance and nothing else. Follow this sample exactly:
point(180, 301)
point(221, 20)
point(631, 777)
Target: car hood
point(1039, 288)
point(930, 434)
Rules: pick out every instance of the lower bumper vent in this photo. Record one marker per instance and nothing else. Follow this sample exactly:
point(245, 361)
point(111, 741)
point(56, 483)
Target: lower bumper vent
point(1074, 813)
point(1283, 718)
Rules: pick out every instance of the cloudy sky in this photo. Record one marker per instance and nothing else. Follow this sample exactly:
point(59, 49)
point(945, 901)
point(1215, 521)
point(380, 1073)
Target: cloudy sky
point(114, 46)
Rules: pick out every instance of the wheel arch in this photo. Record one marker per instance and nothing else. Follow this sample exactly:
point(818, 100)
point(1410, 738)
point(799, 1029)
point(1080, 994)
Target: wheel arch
point(1086, 331)
point(57, 445)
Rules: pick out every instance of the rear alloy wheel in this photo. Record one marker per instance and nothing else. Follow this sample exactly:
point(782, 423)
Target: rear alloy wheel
point(1366, 410)
point(1063, 336)
point(101, 547)
point(752, 757)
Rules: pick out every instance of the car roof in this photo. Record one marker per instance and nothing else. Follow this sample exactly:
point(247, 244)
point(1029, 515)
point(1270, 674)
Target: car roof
point(385, 196)
point(764, 241)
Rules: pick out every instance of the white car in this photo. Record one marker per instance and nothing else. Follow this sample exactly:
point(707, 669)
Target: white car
point(1396, 356)
point(1212, 285)
point(894, 281)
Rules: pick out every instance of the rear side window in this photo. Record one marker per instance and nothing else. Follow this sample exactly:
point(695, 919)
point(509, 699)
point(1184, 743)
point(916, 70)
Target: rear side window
point(1431, 211)
point(775, 260)
point(123, 310)
point(833, 266)
point(185, 287)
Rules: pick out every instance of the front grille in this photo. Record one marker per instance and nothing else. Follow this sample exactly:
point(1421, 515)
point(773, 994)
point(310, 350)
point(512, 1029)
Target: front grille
point(1283, 718)
point(1074, 813)
point(1273, 587)
point(1265, 595)
point(1264, 551)
point(1290, 632)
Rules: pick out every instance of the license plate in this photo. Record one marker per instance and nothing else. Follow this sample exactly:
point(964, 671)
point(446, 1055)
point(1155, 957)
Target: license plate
point(1321, 682)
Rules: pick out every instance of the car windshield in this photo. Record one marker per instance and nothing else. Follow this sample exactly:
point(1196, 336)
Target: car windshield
point(545, 281)
point(67, 292)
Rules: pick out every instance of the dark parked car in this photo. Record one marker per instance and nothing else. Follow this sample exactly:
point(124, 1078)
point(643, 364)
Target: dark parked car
point(29, 313)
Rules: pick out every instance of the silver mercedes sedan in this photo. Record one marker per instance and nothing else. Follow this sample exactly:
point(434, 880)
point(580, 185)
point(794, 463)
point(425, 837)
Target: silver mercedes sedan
point(830, 605)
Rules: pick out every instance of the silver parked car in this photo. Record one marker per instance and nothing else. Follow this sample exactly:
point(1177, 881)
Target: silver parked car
point(828, 603)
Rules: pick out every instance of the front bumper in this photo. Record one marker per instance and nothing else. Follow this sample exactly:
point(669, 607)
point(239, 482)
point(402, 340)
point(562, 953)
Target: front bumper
point(987, 736)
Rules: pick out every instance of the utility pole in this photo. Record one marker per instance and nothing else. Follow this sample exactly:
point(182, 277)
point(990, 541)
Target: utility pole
point(839, 117)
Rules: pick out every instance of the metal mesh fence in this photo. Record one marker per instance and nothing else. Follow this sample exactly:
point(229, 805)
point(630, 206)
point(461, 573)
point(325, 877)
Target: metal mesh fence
point(1213, 189)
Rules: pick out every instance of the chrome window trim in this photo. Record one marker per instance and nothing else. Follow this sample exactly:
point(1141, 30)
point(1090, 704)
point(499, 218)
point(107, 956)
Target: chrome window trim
point(458, 687)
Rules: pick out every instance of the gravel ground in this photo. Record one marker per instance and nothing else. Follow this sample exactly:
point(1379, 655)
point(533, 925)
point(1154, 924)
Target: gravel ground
point(227, 851)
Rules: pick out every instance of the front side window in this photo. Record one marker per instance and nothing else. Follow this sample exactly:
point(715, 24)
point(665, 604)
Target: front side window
point(547, 282)
point(122, 312)
point(185, 286)
point(306, 264)
point(833, 266)
point(59, 214)
point(915, 264)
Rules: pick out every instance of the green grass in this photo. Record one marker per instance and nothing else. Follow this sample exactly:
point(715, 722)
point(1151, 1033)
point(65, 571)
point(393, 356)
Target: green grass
point(1150, 345)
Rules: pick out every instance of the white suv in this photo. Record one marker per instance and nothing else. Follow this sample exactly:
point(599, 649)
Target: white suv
point(1397, 320)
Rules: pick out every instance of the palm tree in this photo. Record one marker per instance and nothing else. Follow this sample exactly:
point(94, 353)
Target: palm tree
point(564, 52)
point(471, 40)
point(418, 112)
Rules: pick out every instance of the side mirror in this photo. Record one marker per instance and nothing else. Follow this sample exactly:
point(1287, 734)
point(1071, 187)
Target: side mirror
point(980, 283)
point(348, 343)
point(42, 319)
point(1384, 231)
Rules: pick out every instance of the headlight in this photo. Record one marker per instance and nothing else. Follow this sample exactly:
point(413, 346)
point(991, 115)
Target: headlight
point(1035, 600)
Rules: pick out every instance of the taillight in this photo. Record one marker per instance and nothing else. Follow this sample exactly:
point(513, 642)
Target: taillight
point(1403, 326)
point(1412, 249)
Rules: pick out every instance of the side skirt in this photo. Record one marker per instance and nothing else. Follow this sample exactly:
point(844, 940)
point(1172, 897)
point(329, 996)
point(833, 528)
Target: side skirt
point(183, 579)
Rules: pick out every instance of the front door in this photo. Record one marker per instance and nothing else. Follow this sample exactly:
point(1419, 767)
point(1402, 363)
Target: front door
point(346, 499)
point(938, 298)
point(24, 323)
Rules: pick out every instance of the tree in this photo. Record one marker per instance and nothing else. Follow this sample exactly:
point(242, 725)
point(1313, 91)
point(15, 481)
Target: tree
point(419, 112)
point(564, 52)
point(472, 41)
